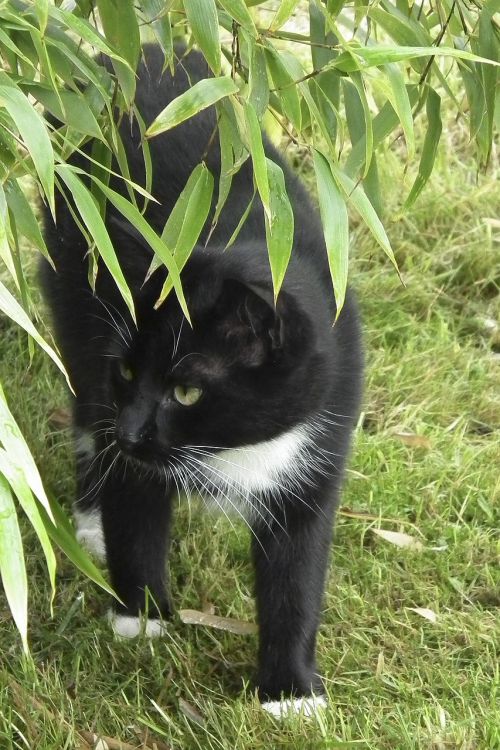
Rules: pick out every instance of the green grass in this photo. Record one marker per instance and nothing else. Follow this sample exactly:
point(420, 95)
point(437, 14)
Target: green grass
point(395, 679)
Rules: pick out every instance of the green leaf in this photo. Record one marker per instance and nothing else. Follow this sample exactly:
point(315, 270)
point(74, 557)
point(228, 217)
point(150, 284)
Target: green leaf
point(12, 566)
point(256, 148)
point(279, 226)
point(204, 23)
point(239, 11)
point(26, 222)
point(240, 223)
point(33, 132)
point(355, 194)
point(92, 219)
point(134, 216)
point(82, 28)
point(283, 14)
point(21, 489)
point(257, 80)
point(383, 54)
point(119, 22)
point(77, 113)
point(11, 307)
point(383, 124)
point(42, 13)
point(18, 452)
point(335, 222)
point(402, 105)
point(156, 14)
point(202, 95)
point(199, 199)
point(226, 164)
point(61, 532)
point(5, 232)
point(429, 149)
point(357, 80)
point(285, 86)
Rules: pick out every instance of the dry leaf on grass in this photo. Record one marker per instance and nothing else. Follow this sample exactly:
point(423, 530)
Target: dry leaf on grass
point(190, 711)
point(59, 418)
point(400, 539)
point(413, 440)
point(194, 617)
point(429, 614)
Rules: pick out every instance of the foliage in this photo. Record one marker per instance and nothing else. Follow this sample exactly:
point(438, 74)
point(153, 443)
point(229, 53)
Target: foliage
point(369, 72)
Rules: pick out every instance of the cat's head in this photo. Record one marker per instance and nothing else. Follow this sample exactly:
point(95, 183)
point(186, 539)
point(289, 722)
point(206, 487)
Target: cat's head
point(239, 375)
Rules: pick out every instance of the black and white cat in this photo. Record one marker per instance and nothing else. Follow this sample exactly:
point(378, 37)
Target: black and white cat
point(252, 407)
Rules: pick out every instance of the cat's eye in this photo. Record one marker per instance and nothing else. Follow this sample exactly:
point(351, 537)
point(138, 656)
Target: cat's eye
point(126, 372)
point(187, 396)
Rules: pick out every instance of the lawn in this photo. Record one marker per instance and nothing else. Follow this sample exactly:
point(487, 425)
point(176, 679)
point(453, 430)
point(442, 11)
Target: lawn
point(409, 637)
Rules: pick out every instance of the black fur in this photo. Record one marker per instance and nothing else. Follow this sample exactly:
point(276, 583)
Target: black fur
point(262, 370)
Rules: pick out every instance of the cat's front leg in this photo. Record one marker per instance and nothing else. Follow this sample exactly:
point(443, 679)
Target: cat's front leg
point(290, 558)
point(136, 514)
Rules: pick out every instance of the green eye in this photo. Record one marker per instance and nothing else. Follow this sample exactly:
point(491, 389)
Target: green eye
point(187, 396)
point(126, 372)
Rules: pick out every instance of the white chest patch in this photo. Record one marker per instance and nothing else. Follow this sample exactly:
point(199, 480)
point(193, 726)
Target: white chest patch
point(239, 479)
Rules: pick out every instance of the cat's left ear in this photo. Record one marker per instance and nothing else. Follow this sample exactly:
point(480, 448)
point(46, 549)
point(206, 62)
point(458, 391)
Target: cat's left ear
point(249, 318)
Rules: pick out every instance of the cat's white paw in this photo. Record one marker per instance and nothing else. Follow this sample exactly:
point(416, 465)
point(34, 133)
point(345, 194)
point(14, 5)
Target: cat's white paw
point(89, 532)
point(307, 706)
point(126, 626)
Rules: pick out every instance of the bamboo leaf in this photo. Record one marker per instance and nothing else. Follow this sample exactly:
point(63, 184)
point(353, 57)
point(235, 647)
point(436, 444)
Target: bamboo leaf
point(259, 161)
point(77, 113)
point(12, 568)
point(92, 219)
point(119, 22)
point(26, 222)
point(19, 454)
point(335, 222)
point(286, 89)
point(197, 198)
point(283, 14)
point(204, 24)
point(202, 95)
point(239, 11)
point(402, 106)
point(383, 54)
point(355, 194)
point(134, 216)
point(11, 307)
point(279, 227)
point(61, 532)
point(257, 80)
point(15, 476)
point(5, 232)
point(429, 149)
point(33, 132)
point(156, 13)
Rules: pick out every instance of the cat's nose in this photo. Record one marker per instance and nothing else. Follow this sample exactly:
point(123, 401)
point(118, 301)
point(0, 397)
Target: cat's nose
point(130, 441)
